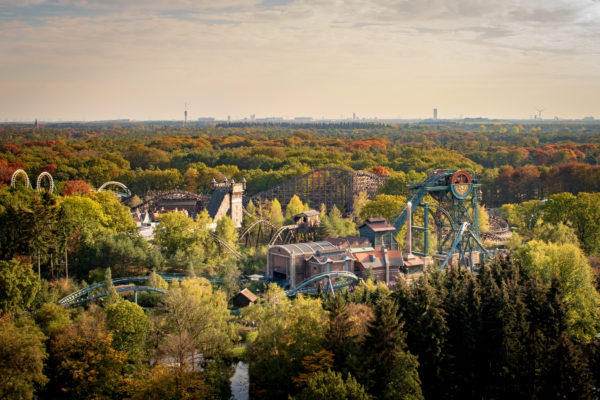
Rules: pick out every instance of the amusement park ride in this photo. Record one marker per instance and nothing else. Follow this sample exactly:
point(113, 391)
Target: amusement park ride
point(446, 202)
point(455, 213)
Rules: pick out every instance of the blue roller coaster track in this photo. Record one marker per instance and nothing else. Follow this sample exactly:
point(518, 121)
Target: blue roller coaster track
point(306, 285)
point(83, 295)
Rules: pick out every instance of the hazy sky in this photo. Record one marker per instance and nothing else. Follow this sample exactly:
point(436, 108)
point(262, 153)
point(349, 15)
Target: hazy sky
point(143, 59)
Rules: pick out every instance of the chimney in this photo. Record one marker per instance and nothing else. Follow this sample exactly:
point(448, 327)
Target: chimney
point(386, 261)
point(409, 255)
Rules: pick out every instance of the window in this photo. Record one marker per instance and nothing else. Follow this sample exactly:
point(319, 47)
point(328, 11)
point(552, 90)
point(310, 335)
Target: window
point(347, 265)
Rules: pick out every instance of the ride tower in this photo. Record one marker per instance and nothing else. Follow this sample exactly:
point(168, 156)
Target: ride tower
point(449, 200)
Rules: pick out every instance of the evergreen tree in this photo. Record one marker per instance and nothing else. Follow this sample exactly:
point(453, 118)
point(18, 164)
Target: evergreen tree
point(112, 295)
point(427, 329)
point(386, 360)
point(294, 207)
point(330, 385)
point(462, 305)
point(275, 214)
point(339, 338)
point(565, 375)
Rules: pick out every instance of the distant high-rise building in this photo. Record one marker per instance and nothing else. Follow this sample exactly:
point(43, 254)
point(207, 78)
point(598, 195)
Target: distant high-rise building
point(354, 116)
point(229, 118)
point(185, 114)
point(435, 113)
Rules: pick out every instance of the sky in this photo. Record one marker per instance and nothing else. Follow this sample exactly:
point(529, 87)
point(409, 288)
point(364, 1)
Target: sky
point(145, 59)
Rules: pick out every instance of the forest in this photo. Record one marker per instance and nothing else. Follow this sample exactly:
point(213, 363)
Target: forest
point(525, 326)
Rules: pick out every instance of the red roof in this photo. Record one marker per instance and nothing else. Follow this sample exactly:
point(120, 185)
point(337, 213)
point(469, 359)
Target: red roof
point(364, 258)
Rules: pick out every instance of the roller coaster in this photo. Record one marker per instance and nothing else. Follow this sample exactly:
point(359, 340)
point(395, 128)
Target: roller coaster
point(455, 215)
point(307, 285)
point(328, 185)
point(99, 291)
point(125, 193)
point(40, 178)
point(93, 292)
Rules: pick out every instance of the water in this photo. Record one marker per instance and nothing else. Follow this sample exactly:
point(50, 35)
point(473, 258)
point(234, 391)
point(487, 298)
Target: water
point(240, 387)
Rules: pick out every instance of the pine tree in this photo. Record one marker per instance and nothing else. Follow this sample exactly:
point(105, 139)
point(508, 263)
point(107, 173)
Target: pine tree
point(462, 305)
point(276, 215)
point(565, 374)
point(339, 338)
point(112, 296)
point(386, 360)
point(427, 329)
point(294, 207)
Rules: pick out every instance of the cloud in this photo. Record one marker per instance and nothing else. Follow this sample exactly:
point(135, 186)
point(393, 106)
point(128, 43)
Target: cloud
point(325, 48)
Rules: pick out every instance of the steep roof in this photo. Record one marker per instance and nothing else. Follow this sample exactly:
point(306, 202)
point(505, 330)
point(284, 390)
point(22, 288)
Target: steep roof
point(248, 294)
point(216, 199)
point(378, 225)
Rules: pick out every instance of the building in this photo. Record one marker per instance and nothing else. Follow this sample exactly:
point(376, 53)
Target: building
point(379, 232)
point(335, 259)
point(244, 298)
point(308, 219)
point(435, 113)
point(384, 264)
point(288, 262)
point(226, 199)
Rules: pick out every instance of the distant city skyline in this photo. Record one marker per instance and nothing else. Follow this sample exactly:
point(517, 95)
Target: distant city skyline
point(89, 60)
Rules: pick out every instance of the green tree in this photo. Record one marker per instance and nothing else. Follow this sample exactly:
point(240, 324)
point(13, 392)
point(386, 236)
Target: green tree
point(16, 223)
point(18, 286)
point(117, 216)
point(525, 216)
point(567, 263)
point(334, 225)
point(275, 213)
point(484, 219)
point(385, 205)
point(339, 338)
point(386, 356)
point(403, 382)
point(555, 233)
point(196, 315)
point(129, 326)
point(226, 231)
point(157, 281)
point(287, 334)
point(294, 207)
point(358, 201)
point(167, 383)
point(83, 362)
point(426, 327)
point(565, 375)
point(22, 358)
point(585, 219)
point(330, 385)
point(558, 208)
point(112, 297)
point(52, 318)
point(191, 179)
point(175, 232)
point(126, 254)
